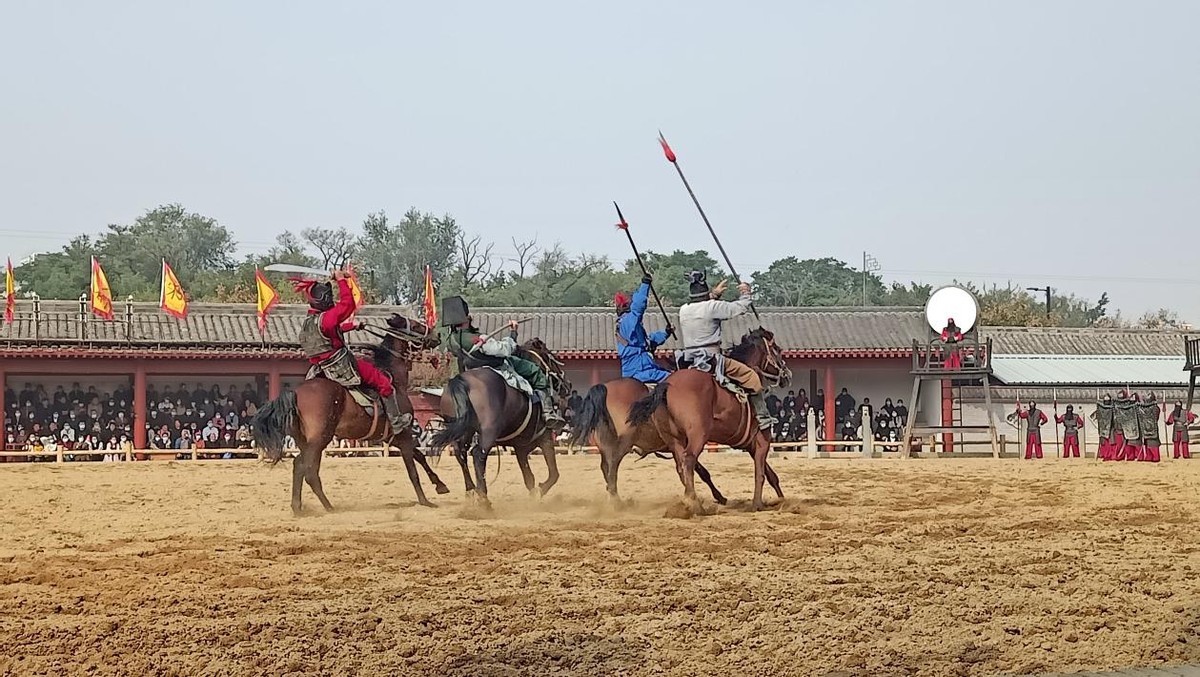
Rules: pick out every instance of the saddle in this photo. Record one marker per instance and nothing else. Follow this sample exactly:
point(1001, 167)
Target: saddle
point(712, 364)
point(367, 398)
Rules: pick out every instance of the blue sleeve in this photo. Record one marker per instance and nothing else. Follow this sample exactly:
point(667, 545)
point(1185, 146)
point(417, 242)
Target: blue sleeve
point(641, 301)
point(657, 339)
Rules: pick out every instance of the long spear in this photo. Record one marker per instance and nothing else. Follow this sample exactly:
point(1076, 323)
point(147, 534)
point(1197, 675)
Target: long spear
point(624, 226)
point(675, 162)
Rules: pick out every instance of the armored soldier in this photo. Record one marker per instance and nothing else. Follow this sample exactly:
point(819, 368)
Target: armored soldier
point(634, 346)
point(1034, 419)
point(700, 324)
point(1148, 413)
point(324, 344)
point(474, 350)
point(1105, 418)
point(1179, 422)
point(1071, 423)
point(1129, 439)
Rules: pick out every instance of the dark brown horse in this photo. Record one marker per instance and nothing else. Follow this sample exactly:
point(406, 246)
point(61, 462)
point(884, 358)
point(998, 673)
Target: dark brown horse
point(319, 409)
point(605, 415)
point(481, 411)
point(698, 411)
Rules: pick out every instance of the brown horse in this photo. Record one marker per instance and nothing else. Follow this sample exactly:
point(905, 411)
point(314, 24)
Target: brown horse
point(319, 409)
point(481, 412)
point(699, 411)
point(605, 414)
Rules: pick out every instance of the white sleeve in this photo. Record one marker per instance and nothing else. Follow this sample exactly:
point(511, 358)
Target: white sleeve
point(504, 347)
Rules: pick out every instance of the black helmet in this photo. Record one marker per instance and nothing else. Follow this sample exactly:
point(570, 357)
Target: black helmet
point(321, 296)
point(697, 285)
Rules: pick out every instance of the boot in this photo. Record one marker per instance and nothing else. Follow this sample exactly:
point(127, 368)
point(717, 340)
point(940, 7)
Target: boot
point(549, 410)
point(400, 422)
point(765, 420)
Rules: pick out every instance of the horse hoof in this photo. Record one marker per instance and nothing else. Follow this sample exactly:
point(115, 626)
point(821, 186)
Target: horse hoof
point(442, 489)
point(721, 500)
point(426, 503)
point(757, 507)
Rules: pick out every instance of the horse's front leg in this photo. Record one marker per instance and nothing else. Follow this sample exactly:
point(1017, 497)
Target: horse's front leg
point(297, 483)
point(407, 452)
point(522, 454)
point(460, 455)
point(550, 453)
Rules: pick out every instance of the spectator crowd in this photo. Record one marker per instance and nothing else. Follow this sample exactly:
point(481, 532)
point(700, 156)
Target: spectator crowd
point(75, 419)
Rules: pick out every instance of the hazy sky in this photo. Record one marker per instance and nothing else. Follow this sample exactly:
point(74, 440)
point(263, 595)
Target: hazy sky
point(1039, 142)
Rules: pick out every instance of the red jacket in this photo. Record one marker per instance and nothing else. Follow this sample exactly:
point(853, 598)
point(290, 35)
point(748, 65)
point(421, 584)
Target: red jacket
point(335, 320)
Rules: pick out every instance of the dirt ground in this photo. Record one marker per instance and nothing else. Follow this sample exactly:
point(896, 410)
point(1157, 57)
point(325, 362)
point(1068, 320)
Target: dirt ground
point(939, 567)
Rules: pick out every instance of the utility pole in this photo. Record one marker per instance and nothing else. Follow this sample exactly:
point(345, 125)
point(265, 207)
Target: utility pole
point(870, 265)
point(1047, 290)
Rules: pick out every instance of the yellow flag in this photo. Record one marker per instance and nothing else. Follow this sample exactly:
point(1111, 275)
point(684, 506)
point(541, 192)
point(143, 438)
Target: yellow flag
point(172, 300)
point(267, 298)
point(10, 289)
point(102, 304)
point(356, 290)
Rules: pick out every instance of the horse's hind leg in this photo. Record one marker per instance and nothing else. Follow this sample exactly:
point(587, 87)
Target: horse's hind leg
point(550, 453)
point(773, 479)
point(312, 474)
point(707, 479)
point(479, 454)
point(522, 454)
point(610, 462)
point(460, 455)
point(438, 484)
point(297, 483)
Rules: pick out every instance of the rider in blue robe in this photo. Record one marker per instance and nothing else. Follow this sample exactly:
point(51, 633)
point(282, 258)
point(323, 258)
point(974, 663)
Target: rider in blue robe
point(634, 346)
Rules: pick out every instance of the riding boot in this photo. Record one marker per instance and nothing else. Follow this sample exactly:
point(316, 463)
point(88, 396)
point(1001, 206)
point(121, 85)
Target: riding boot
point(765, 420)
point(400, 422)
point(549, 410)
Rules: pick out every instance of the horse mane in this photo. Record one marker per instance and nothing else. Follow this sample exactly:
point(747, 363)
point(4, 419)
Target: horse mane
point(751, 340)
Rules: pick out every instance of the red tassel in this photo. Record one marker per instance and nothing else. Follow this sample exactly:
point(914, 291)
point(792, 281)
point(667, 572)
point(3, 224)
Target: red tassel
point(303, 286)
point(623, 226)
point(620, 299)
point(666, 148)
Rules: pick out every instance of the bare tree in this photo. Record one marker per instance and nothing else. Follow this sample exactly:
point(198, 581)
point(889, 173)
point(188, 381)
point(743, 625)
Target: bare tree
point(335, 247)
point(476, 262)
point(526, 251)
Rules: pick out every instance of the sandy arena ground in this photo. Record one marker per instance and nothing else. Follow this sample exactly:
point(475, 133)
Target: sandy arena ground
point(869, 567)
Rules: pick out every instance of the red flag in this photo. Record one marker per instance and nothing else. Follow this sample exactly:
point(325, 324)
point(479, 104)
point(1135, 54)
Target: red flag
point(10, 290)
point(429, 305)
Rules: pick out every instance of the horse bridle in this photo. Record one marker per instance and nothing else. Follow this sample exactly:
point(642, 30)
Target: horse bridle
point(775, 360)
point(556, 376)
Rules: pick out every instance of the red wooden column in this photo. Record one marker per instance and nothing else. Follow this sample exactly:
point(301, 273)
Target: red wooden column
point(274, 383)
point(830, 396)
point(3, 404)
point(139, 407)
point(595, 373)
point(947, 413)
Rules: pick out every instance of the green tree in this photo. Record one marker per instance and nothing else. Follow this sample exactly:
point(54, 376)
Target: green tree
point(395, 253)
point(670, 273)
point(198, 248)
point(815, 282)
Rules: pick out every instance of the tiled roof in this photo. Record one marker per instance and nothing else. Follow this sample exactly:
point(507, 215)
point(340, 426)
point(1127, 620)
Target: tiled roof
point(1069, 341)
point(576, 332)
point(830, 332)
point(225, 325)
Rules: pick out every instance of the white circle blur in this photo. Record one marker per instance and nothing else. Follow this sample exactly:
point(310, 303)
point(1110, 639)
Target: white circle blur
point(951, 302)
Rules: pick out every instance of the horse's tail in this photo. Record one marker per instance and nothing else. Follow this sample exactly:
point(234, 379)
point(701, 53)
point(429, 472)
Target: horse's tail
point(592, 416)
point(464, 422)
point(273, 423)
point(644, 408)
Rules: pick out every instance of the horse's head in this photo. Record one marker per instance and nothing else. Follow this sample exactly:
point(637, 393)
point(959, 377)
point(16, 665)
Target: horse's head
point(402, 339)
point(542, 355)
point(416, 333)
point(759, 351)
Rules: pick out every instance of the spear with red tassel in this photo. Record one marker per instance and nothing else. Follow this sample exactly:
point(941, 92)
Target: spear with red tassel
point(623, 225)
point(675, 163)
